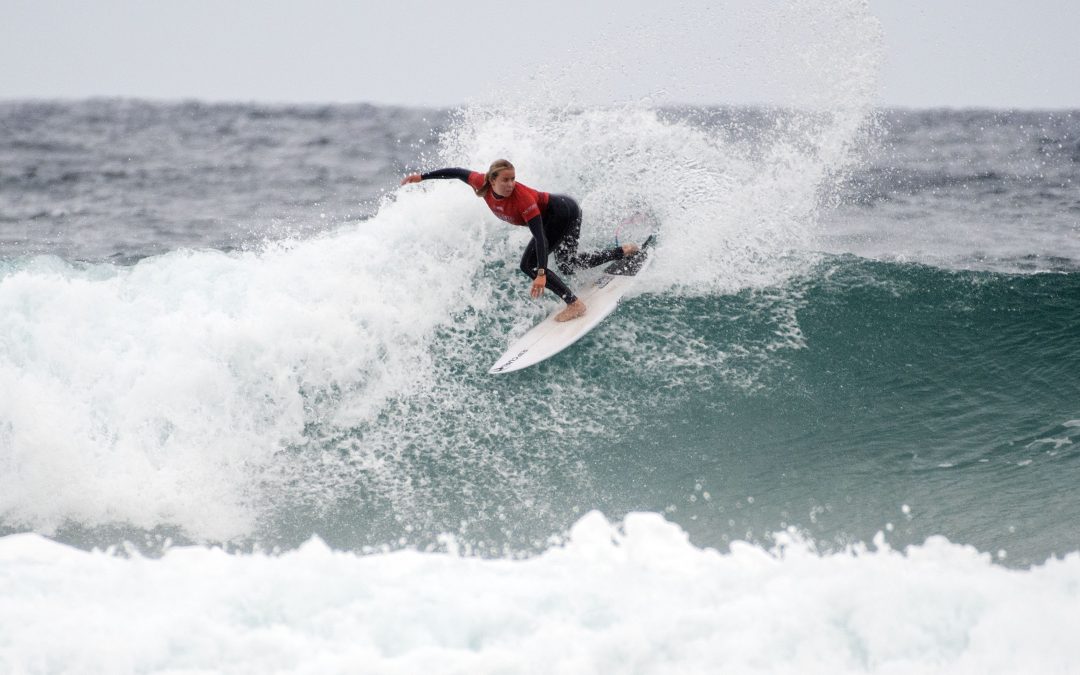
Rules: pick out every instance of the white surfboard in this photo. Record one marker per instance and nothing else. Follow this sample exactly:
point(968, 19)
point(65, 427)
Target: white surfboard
point(549, 337)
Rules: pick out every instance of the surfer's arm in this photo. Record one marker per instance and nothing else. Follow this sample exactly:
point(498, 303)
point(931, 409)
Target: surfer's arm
point(460, 174)
point(536, 226)
point(453, 172)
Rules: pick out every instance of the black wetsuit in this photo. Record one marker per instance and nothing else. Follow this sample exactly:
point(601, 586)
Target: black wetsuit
point(556, 229)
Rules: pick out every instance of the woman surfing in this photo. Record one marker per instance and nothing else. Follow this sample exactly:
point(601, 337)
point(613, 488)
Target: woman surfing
point(554, 220)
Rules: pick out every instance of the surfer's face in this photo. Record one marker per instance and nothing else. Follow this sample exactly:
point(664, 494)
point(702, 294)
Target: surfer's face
point(503, 184)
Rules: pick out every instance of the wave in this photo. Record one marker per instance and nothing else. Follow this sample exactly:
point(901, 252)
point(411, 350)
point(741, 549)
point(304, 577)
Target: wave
point(225, 393)
point(337, 385)
point(334, 384)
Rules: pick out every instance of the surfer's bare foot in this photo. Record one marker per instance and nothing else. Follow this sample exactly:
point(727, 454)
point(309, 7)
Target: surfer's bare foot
point(629, 249)
point(572, 311)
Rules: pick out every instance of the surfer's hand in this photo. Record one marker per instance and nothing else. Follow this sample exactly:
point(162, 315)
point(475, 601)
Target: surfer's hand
point(411, 178)
point(538, 286)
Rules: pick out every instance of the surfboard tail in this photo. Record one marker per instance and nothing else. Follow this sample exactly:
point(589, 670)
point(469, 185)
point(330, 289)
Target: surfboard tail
point(631, 265)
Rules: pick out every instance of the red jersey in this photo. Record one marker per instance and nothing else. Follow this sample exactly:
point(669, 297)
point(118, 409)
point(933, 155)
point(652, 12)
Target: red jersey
point(523, 204)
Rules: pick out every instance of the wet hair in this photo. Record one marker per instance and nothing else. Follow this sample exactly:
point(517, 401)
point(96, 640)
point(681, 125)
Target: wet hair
point(493, 171)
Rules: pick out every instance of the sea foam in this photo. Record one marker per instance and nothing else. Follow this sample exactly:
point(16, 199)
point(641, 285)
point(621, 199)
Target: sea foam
point(625, 597)
point(165, 393)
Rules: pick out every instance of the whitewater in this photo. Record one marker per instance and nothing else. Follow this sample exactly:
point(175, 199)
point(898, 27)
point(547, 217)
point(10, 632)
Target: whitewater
point(246, 425)
point(636, 597)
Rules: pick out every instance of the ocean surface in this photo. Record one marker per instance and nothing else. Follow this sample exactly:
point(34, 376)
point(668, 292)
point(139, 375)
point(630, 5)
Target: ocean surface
point(246, 423)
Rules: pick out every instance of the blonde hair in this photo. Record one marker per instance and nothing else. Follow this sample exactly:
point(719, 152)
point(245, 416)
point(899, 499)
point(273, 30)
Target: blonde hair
point(492, 172)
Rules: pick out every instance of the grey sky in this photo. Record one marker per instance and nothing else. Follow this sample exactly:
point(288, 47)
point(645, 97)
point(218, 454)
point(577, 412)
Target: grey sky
point(942, 53)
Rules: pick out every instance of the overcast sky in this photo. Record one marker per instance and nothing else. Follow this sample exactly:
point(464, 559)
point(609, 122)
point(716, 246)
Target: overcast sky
point(956, 53)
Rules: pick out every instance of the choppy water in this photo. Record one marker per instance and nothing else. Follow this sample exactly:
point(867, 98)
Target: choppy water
point(836, 429)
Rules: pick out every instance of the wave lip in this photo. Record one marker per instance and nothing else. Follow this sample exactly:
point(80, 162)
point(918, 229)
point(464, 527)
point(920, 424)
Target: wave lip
point(629, 597)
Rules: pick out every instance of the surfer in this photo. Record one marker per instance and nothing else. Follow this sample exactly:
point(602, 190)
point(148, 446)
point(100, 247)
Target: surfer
point(553, 219)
